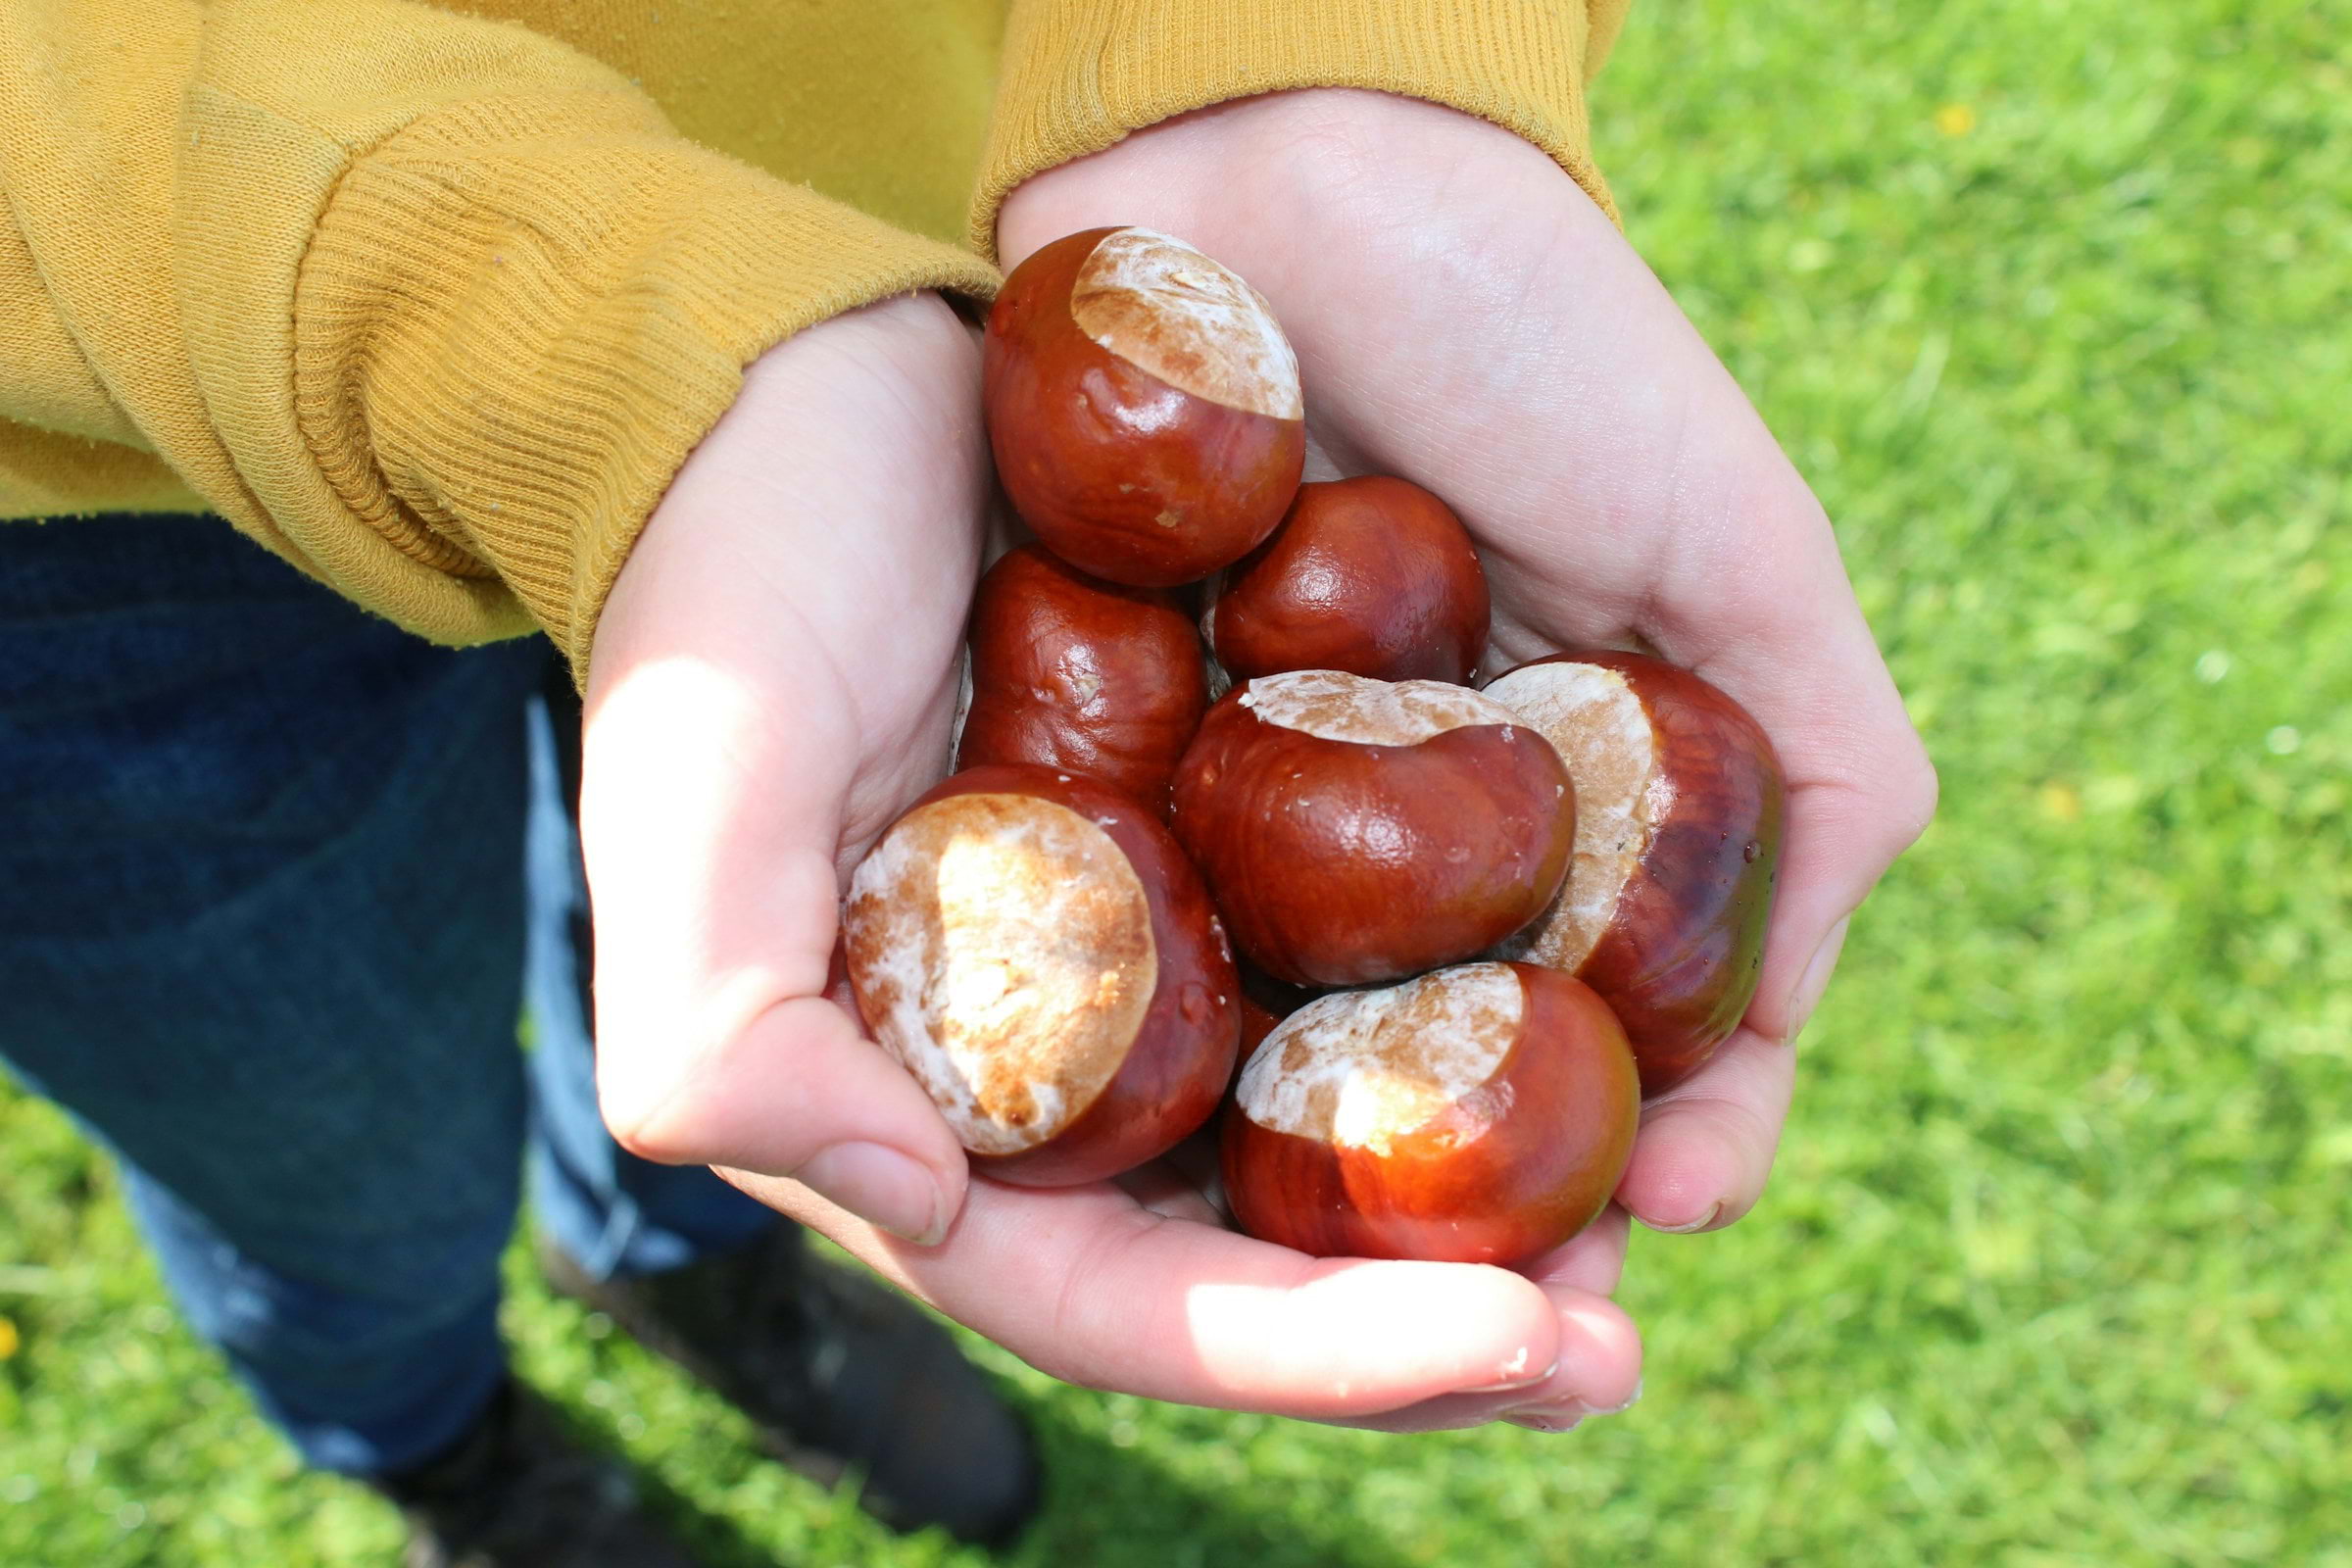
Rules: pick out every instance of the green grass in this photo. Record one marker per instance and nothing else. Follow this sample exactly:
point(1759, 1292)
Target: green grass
point(2052, 301)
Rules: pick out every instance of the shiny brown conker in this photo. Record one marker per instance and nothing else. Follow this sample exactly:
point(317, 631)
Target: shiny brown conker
point(1678, 837)
point(1480, 1114)
point(1082, 675)
point(1032, 945)
point(1143, 404)
point(1374, 576)
point(1354, 831)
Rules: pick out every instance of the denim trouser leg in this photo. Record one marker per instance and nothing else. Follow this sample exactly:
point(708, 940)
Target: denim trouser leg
point(262, 932)
point(612, 1211)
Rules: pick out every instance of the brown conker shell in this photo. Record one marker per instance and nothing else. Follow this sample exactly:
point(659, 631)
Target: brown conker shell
point(1679, 800)
point(1034, 949)
point(1355, 831)
point(1374, 576)
point(1258, 1021)
point(1082, 675)
point(1480, 1114)
point(1143, 404)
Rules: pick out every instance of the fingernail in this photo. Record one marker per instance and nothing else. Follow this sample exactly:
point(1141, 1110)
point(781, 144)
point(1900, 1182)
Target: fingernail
point(1515, 1375)
point(1562, 1415)
point(1553, 1420)
point(1816, 978)
point(1714, 1211)
point(894, 1191)
point(1629, 1402)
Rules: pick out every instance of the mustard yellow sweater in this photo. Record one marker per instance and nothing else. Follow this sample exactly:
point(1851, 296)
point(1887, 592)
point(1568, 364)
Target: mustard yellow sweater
point(432, 300)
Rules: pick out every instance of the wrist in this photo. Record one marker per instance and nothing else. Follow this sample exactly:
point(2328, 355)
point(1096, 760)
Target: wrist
point(854, 443)
point(1339, 205)
point(1256, 173)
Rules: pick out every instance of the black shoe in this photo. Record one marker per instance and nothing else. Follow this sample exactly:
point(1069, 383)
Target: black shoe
point(516, 1493)
point(840, 1374)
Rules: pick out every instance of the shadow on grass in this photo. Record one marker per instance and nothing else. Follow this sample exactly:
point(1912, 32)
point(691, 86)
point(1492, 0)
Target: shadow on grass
point(1108, 1504)
point(1104, 1503)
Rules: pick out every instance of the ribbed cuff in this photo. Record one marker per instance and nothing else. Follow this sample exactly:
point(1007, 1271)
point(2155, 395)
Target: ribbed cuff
point(511, 331)
point(1079, 74)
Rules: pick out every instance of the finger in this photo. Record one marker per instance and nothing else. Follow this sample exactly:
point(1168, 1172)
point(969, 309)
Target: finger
point(1707, 1145)
point(1090, 1288)
point(1599, 1368)
point(1598, 1372)
point(1184, 1183)
point(714, 896)
point(1789, 642)
point(1592, 1260)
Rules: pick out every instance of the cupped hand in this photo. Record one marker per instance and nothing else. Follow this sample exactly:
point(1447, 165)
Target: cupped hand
point(772, 681)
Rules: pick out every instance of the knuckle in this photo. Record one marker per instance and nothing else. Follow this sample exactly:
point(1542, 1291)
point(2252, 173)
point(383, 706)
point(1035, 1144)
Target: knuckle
point(1915, 793)
point(647, 1125)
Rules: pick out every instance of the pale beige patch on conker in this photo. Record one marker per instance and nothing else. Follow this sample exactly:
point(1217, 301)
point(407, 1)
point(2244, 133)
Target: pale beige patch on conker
point(1332, 706)
point(1000, 948)
point(1173, 312)
point(1366, 1067)
point(1594, 721)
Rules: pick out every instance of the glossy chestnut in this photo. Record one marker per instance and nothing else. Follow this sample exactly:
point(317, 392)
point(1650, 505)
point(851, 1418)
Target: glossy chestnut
point(1082, 675)
point(1354, 831)
point(1034, 949)
point(1143, 404)
point(1679, 805)
point(1481, 1115)
point(1374, 576)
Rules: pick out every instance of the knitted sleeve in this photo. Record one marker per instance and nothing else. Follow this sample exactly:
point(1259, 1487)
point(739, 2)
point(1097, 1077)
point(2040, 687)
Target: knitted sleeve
point(433, 306)
point(1079, 74)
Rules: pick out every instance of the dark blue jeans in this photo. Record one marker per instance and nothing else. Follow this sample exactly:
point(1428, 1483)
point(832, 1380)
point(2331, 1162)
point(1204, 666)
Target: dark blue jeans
point(266, 931)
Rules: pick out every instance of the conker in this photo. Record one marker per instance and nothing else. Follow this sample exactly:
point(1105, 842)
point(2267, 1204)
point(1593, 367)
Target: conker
point(1480, 1114)
point(1143, 404)
point(1082, 675)
point(1355, 831)
point(1678, 836)
point(1258, 1021)
point(1374, 576)
point(1034, 949)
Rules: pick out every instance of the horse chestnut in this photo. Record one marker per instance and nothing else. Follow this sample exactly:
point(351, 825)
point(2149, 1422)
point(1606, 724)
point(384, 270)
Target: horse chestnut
point(1678, 836)
point(1374, 576)
point(1034, 949)
point(1353, 831)
point(1082, 675)
point(1143, 404)
point(1480, 1114)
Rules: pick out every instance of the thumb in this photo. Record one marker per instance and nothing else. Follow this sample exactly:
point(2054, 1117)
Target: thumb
point(801, 1092)
point(712, 867)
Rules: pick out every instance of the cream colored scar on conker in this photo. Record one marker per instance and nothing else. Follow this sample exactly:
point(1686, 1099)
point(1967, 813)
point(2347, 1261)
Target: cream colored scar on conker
point(1366, 1067)
point(1596, 723)
point(1002, 950)
point(1173, 312)
point(1333, 706)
